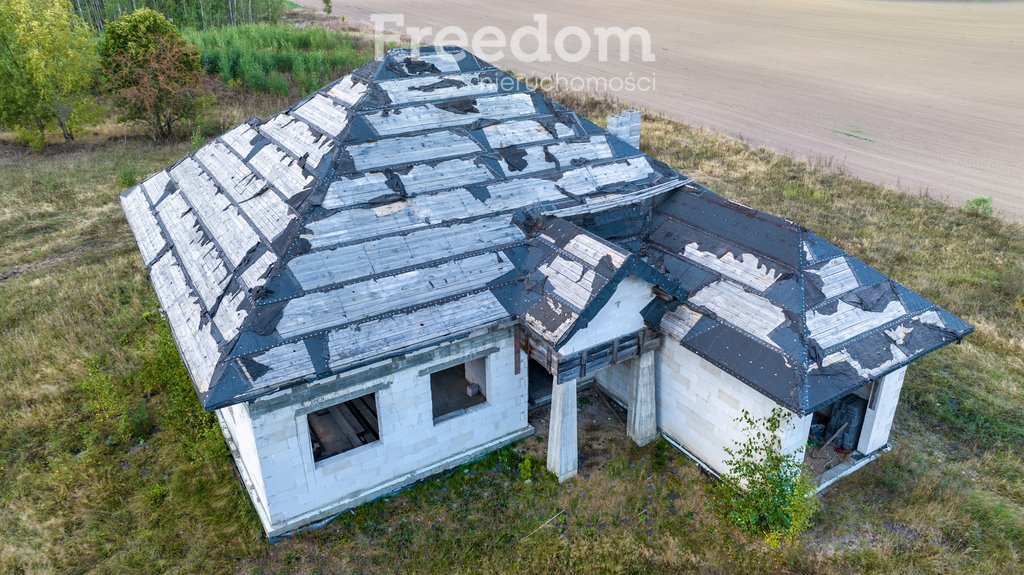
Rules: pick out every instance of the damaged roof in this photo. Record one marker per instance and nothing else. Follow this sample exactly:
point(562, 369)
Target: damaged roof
point(779, 307)
point(371, 219)
point(419, 200)
point(568, 275)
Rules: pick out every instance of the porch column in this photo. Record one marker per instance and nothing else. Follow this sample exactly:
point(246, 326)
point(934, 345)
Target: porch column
point(563, 456)
point(874, 434)
point(642, 420)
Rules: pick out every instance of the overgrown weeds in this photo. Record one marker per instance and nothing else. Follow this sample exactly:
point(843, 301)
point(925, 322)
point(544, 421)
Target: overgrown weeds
point(276, 58)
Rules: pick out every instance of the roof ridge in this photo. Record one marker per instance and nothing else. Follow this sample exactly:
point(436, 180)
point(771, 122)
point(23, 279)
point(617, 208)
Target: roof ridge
point(803, 333)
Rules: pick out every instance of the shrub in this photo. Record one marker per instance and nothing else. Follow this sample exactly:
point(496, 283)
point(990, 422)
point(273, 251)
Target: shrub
point(196, 141)
point(128, 177)
point(152, 71)
point(766, 492)
point(979, 206)
point(47, 66)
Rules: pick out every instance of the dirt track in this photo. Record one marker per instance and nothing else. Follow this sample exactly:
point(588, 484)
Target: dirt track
point(918, 95)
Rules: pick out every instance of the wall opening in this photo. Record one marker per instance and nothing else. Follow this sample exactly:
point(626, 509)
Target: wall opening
point(343, 427)
point(540, 382)
point(836, 430)
point(454, 390)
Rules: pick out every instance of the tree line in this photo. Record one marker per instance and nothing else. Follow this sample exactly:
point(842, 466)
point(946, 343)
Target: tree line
point(63, 61)
point(184, 13)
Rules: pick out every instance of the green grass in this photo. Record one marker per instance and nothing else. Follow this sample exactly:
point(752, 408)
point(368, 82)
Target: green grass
point(279, 59)
point(107, 464)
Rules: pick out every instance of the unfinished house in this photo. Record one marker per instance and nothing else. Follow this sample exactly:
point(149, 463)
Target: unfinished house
point(377, 283)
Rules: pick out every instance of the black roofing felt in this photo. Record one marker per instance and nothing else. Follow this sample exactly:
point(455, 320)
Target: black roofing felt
point(538, 299)
point(646, 237)
point(791, 371)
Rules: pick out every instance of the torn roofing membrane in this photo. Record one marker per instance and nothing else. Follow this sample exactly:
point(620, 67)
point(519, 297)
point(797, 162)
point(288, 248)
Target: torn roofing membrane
point(423, 198)
point(780, 308)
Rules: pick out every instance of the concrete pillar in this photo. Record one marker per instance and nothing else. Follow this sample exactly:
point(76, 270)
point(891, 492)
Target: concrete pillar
point(563, 449)
point(642, 421)
point(881, 411)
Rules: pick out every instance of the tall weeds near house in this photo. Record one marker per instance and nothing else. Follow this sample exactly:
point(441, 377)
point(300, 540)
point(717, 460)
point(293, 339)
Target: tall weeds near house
point(278, 59)
point(767, 491)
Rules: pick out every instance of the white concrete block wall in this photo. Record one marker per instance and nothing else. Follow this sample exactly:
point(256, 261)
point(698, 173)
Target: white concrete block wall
point(614, 380)
point(619, 316)
point(236, 418)
point(296, 487)
point(880, 413)
point(698, 405)
point(476, 372)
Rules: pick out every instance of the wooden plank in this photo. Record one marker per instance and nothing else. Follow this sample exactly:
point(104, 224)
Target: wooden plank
point(351, 262)
point(348, 90)
point(332, 439)
point(359, 405)
point(378, 338)
point(230, 172)
point(371, 403)
point(346, 427)
point(324, 114)
point(361, 300)
point(221, 219)
point(199, 257)
point(296, 137)
point(411, 149)
point(143, 225)
point(411, 90)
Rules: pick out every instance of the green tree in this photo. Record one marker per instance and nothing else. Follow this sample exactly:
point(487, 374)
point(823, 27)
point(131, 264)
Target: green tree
point(151, 71)
point(185, 13)
point(47, 68)
point(767, 492)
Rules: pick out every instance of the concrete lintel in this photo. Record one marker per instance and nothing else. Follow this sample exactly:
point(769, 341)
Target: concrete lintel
point(301, 393)
point(458, 361)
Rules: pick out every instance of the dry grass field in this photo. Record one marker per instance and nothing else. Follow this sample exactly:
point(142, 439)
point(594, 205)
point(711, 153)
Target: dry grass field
point(107, 464)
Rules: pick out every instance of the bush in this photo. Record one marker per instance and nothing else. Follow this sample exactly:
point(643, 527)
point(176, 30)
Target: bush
point(128, 177)
point(47, 66)
point(979, 206)
point(152, 71)
point(766, 491)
